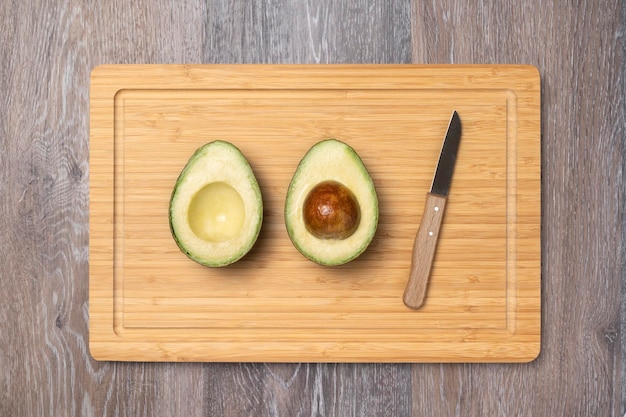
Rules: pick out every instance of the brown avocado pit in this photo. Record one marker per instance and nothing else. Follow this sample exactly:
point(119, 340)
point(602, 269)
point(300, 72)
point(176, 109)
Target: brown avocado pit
point(331, 211)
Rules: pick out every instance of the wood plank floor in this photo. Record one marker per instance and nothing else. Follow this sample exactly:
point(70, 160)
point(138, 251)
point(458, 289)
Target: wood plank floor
point(48, 50)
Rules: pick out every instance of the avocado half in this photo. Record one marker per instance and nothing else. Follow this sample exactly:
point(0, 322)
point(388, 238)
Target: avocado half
point(216, 208)
point(333, 170)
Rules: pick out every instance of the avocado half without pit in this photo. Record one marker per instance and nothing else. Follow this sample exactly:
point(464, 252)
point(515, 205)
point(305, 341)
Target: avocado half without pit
point(216, 208)
point(331, 209)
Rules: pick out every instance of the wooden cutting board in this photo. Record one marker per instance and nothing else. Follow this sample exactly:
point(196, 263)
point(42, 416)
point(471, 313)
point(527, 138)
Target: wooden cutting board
point(149, 302)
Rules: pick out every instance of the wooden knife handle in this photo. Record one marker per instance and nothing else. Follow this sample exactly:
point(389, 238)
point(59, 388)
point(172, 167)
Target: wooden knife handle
point(424, 250)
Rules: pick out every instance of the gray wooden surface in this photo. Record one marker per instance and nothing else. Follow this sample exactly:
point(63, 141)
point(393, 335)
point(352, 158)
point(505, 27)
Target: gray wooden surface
point(48, 48)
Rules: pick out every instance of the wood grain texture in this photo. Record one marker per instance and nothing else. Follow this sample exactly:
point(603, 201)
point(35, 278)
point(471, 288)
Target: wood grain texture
point(149, 302)
point(48, 50)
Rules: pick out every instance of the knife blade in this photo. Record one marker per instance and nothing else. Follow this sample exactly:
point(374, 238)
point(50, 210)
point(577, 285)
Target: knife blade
point(428, 232)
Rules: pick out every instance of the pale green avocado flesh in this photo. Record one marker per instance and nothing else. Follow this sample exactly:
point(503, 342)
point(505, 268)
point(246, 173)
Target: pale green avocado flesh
point(335, 162)
point(216, 208)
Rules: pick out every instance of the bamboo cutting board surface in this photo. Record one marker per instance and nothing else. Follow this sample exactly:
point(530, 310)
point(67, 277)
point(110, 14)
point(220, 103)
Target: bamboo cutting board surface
point(149, 302)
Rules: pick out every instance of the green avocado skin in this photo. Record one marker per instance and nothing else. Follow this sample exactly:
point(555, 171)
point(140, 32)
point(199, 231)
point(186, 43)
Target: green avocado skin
point(294, 223)
point(205, 151)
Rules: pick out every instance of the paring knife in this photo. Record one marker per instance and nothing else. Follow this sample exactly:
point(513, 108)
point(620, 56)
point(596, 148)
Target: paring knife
point(428, 231)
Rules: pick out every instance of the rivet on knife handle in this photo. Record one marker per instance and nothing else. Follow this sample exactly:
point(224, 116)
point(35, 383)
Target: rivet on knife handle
point(428, 231)
point(424, 250)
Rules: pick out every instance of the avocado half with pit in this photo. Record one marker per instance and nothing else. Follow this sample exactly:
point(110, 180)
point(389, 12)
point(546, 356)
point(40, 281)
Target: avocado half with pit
point(216, 208)
point(331, 209)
